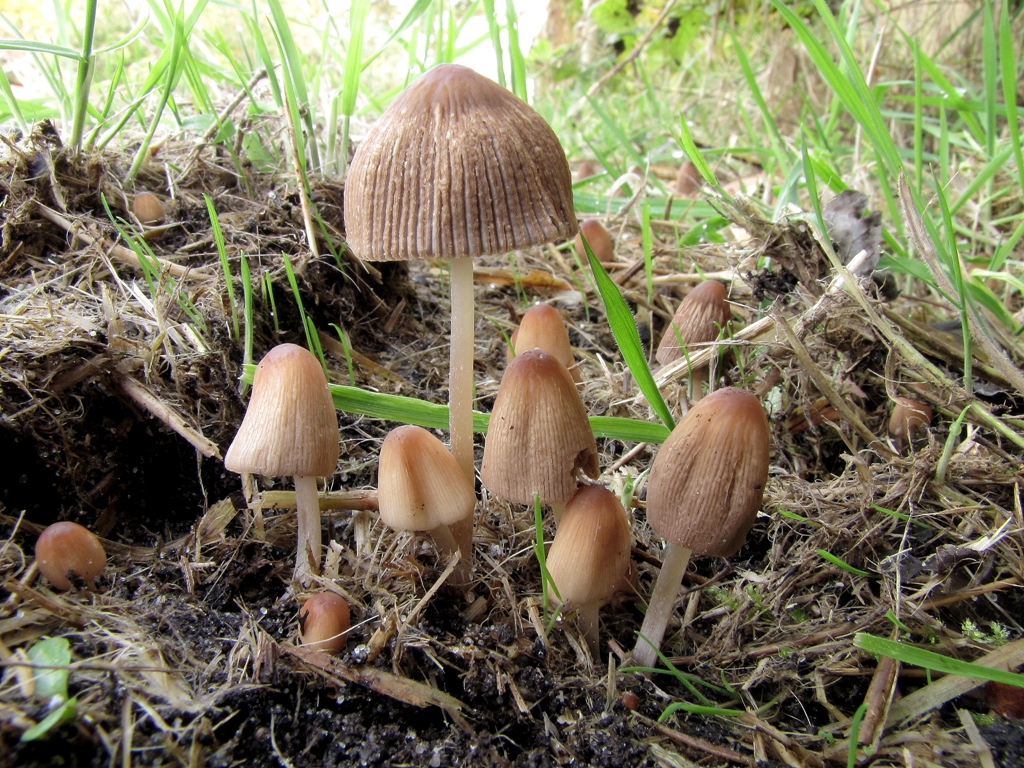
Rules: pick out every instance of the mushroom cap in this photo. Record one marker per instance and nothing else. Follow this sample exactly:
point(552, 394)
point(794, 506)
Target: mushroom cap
point(598, 238)
point(539, 438)
point(699, 319)
point(69, 547)
point(419, 483)
point(589, 557)
point(147, 208)
point(290, 427)
point(542, 327)
point(457, 166)
point(707, 480)
point(907, 416)
point(688, 180)
point(322, 618)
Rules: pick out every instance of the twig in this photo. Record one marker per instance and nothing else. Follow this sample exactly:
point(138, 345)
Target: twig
point(162, 412)
point(693, 742)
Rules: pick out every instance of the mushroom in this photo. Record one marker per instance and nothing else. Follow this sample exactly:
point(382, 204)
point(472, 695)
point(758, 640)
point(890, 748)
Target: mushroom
point(703, 494)
point(688, 180)
point(147, 208)
point(907, 417)
point(542, 327)
point(457, 167)
point(291, 428)
point(598, 238)
point(323, 621)
point(589, 557)
point(420, 487)
point(67, 548)
point(539, 438)
point(700, 319)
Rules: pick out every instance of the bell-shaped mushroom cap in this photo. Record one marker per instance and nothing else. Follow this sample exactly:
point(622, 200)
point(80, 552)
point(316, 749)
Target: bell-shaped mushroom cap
point(419, 484)
point(68, 547)
point(907, 417)
point(688, 180)
point(589, 557)
point(699, 319)
point(457, 166)
point(598, 238)
point(539, 438)
point(706, 481)
point(542, 327)
point(290, 427)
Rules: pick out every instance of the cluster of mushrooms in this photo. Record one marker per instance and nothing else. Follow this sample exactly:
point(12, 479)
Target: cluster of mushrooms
point(458, 167)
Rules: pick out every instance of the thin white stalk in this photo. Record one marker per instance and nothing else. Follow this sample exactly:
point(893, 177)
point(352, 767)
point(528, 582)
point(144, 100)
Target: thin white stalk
point(588, 619)
point(659, 609)
point(444, 542)
point(460, 390)
point(307, 512)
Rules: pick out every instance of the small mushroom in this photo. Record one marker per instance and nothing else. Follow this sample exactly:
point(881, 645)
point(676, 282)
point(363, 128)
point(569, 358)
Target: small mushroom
point(586, 169)
point(907, 417)
point(598, 238)
point(420, 487)
point(589, 558)
point(539, 438)
point(147, 208)
point(542, 327)
point(323, 621)
point(68, 548)
point(700, 318)
point(291, 428)
point(688, 180)
point(703, 494)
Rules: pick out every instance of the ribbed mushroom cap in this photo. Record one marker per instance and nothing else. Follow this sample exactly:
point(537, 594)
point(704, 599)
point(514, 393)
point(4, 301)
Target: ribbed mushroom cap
point(598, 238)
point(590, 554)
point(699, 319)
point(539, 438)
point(457, 166)
point(290, 427)
point(542, 327)
point(907, 416)
point(419, 484)
point(706, 481)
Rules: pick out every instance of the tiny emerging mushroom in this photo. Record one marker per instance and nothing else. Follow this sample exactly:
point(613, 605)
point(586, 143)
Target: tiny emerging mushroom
point(688, 180)
point(539, 439)
point(589, 557)
point(69, 548)
point(700, 319)
point(147, 208)
point(420, 487)
point(291, 429)
point(703, 494)
point(542, 327)
point(598, 239)
point(323, 621)
point(908, 416)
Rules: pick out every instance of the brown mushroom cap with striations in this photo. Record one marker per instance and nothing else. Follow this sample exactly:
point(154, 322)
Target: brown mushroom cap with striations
point(698, 320)
point(542, 327)
point(67, 547)
point(457, 166)
point(539, 438)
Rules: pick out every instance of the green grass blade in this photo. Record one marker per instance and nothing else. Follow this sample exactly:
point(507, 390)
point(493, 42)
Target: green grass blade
point(697, 158)
point(352, 71)
point(243, 268)
point(494, 29)
point(291, 66)
point(697, 709)
point(515, 53)
point(991, 74)
point(918, 657)
point(1007, 60)
point(411, 18)
point(85, 68)
point(12, 102)
point(851, 752)
point(218, 239)
point(826, 555)
point(47, 49)
point(782, 154)
point(623, 327)
point(647, 241)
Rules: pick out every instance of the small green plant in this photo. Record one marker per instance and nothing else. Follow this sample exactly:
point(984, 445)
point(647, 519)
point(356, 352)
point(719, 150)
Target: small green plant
point(52, 655)
point(997, 634)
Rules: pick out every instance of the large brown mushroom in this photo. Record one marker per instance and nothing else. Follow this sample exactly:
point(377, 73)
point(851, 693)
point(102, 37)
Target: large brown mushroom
point(291, 428)
point(539, 439)
point(703, 494)
point(457, 167)
point(700, 318)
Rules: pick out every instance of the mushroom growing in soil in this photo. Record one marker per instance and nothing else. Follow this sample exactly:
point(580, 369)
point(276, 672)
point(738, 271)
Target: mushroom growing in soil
point(589, 557)
point(688, 180)
point(420, 487)
point(69, 548)
point(291, 428)
point(539, 439)
point(700, 318)
point(542, 327)
point(703, 494)
point(323, 621)
point(907, 417)
point(598, 238)
point(457, 167)
point(147, 208)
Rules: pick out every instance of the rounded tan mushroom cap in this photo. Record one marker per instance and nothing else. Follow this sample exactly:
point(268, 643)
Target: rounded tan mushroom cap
point(542, 327)
point(707, 480)
point(699, 319)
point(688, 180)
point(147, 208)
point(907, 417)
point(589, 557)
point(539, 438)
point(419, 484)
point(67, 547)
point(290, 427)
point(598, 238)
point(323, 619)
point(457, 166)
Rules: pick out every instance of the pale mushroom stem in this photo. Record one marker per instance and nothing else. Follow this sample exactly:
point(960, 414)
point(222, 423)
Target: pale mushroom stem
point(444, 541)
point(698, 378)
point(587, 619)
point(460, 394)
point(659, 609)
point(307, 512)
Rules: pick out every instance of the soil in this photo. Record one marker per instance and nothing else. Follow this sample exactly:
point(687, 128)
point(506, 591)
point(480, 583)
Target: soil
point(184, 650)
